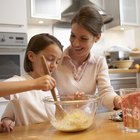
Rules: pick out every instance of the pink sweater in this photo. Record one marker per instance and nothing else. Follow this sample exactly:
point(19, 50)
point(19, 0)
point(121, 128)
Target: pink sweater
point(91, 77)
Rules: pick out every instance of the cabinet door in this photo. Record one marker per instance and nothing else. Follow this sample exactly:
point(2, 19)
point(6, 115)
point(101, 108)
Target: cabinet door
point(129, 12)
point(13, 15)
point(126, 13)
point(46, 9)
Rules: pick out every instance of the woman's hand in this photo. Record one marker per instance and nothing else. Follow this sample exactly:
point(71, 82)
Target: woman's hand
point(7, 125)
point(78, 95)
point(44, 83)
point(117, 102)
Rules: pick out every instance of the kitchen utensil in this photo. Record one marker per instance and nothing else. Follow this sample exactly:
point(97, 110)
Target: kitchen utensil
point(119, 55)
point(80, 113)
point(60, 113)
point(46, 71)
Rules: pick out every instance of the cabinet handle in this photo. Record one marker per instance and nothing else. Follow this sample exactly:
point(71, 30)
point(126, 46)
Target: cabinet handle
point(12, 25)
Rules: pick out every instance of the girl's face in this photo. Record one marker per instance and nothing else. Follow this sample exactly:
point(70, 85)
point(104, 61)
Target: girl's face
point(81, 40)
point(52, 53)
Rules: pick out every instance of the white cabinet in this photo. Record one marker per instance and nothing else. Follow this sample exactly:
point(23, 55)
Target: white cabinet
point(130, 12)
point(13, 15)
point(126, 13)
point(46, 9)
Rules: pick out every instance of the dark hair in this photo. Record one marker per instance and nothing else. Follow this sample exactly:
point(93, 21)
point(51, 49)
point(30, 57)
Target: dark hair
point(89, 18)
point(38, 43)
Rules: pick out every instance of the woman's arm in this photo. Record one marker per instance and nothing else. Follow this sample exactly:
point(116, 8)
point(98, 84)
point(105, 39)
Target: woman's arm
point(43, 83)
point(106, 91)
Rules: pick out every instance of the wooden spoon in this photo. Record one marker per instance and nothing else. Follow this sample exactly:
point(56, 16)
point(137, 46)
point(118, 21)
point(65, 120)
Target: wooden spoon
point(60, 113)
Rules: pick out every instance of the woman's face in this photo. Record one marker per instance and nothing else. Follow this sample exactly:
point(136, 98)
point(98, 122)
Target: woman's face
point(81, 40)
point(52, 53)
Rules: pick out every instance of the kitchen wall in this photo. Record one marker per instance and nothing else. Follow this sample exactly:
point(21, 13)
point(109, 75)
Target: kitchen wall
point(35, 29)
point(61, 33)
point(137, 38)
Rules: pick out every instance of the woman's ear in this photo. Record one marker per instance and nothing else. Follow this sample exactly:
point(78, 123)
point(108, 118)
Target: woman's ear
point(31, 56)
point(97, 37)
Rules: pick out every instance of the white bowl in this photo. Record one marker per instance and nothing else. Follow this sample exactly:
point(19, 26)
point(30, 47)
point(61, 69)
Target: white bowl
point(123, 64)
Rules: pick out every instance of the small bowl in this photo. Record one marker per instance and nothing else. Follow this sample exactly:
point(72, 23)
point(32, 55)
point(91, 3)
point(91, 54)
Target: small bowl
point(80, 114)
point(123, 64)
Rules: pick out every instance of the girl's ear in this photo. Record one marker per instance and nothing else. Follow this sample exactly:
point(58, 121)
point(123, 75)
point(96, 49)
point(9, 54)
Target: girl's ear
point(31, 56)
point(97, 37)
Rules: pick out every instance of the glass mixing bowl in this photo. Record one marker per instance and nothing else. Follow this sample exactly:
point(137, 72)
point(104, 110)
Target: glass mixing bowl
point(73, 114)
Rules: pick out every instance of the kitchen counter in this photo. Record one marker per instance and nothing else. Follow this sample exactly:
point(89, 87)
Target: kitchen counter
point(123, 71)
point(104, 129)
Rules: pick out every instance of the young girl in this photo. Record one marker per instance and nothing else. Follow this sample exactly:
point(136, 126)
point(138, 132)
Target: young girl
point(27, 107)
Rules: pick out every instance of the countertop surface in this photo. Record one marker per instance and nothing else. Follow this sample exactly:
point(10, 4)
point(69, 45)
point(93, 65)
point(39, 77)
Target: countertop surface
point(111, 71)
point(104, 129)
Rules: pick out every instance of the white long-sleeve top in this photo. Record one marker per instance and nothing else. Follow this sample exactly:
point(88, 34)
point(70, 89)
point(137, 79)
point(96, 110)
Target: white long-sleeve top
point(91, 77)
point(27, 107)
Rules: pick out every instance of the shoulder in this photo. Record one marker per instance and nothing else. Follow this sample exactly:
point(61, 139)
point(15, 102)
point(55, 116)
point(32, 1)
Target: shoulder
point(97, 59)
point(18, 78)
point(99, 62)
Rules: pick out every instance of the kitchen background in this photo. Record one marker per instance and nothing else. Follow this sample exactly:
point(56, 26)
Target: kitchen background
point(25, 15)
point(37, 16)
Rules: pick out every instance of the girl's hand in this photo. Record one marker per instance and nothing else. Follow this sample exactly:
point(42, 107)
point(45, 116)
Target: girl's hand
point(79, 96)
point(44, 83)
point(7, 125)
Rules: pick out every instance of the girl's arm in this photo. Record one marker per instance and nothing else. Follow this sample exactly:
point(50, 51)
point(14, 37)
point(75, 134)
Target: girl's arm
point(42, 83)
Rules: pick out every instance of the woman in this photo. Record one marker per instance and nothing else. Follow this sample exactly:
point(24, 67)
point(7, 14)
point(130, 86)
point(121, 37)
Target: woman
point(27, 107)
point(79, 69)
